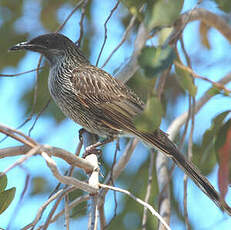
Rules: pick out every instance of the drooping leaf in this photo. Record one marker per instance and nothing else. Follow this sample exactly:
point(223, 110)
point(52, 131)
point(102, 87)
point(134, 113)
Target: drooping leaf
point(185, 80)
point(155, 59)
point(224, 163)
point(6, 198)
point(134, 7)
point(39, 185)
point(204, 29)
point(224, 5)
point(150, 119)
point(211, 134)
point(162, 13)
point(3, 181)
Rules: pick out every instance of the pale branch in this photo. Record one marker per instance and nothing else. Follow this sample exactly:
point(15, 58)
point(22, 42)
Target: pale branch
point(17, 135)
point(28, 154)
point(102, 219)
point(149, 188)
point(163, 178)
point(132, 65)
point(66, 179)
point(207, 17)
point(53, 151)
point(138, 200)
point(67, 212)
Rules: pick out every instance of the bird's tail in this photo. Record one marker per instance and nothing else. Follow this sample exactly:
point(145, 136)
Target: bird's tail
point(160, 140)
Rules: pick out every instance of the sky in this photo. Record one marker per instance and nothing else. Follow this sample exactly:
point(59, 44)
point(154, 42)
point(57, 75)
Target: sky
point(12, 88)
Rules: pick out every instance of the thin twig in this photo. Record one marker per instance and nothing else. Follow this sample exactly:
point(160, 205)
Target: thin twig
point(124, 38)
point(25, 187)
point(215, 84)
point(70, 15)
point(191, 115)
point(119, 167)
point(37, 117)
point(138, 200)
point(105, 30)
point(149, 188)
point(14, 134)
point(73, 204)
point(22, 159)
point(83, 10)
point(61, 192)
point(22, 73)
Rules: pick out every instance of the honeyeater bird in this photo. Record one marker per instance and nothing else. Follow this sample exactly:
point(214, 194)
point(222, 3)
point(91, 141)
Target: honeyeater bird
point(102, 104)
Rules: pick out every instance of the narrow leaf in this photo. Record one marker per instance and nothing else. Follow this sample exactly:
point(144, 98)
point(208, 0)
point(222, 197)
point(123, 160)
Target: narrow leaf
point(224, 163)
point(162, 13)
point(224, 5)
point(3, 181)
point(6, 198)
point(185, 80)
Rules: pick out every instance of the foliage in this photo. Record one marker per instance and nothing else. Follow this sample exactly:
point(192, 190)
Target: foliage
point(18, 23)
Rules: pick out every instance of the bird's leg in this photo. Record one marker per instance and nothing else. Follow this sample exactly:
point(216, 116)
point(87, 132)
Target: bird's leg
point(81, 134)
point(91, 149)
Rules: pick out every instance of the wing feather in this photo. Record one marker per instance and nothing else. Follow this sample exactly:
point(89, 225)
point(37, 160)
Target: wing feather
point(114, 103)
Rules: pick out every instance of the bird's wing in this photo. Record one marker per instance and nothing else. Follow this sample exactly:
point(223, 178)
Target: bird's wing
point(114, 103)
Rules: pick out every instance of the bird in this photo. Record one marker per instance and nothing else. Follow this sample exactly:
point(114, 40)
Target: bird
point(102, 104)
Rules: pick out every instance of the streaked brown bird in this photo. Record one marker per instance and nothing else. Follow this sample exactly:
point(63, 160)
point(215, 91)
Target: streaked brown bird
point(102, 104)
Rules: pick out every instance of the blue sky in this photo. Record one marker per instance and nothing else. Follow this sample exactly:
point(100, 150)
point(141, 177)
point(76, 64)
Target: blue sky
point(12, 88)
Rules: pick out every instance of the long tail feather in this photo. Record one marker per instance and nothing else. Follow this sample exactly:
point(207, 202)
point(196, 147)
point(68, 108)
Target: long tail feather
point(160, 141)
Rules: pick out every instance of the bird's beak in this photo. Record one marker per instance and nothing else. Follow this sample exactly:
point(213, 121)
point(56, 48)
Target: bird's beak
point(26, 46)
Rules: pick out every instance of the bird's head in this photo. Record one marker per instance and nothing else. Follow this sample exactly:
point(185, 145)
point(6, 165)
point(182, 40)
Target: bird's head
point(52, 46)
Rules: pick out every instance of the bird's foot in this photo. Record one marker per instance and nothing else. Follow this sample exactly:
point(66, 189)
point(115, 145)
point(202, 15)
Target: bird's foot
point(92, 149)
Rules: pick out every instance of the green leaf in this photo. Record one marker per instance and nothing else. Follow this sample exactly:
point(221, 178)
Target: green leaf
point(150, 119)
point(211, 134)
point(224, 5)
point(39, 185)
point(6, 198)
point(185, 80)
point(162, 13)
point(3, 181)
point(134, 7)
point(156, 59)
point(213, 91)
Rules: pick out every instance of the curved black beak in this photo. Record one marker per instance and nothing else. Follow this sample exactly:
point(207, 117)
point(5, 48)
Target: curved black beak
point(27, 46)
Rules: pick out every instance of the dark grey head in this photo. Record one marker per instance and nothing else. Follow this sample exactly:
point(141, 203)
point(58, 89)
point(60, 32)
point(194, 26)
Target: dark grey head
point(53, 46)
